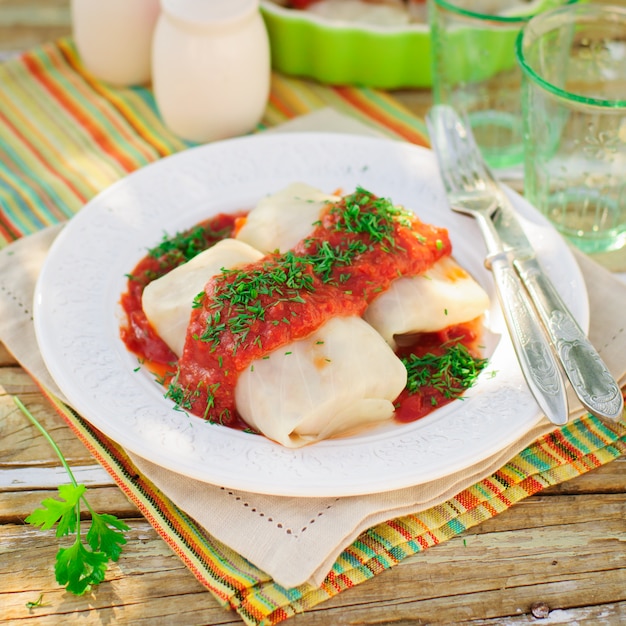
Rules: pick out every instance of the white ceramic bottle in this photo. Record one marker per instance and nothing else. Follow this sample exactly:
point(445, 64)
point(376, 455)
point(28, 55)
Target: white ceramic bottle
point(210, 67)
point(114, 38)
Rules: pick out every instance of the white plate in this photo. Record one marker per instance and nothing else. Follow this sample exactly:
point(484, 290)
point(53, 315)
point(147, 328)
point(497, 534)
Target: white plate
point(77, 317)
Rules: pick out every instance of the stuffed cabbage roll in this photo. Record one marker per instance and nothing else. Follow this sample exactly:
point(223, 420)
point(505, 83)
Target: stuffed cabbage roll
point(445, 295)
point(167, 301)
point(281, 220)
point(341, 377)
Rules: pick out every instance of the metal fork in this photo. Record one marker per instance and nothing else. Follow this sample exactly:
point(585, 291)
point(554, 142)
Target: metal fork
point(464, 175)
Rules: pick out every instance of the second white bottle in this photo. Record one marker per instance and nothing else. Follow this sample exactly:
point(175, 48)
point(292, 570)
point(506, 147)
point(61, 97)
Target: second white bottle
point(210, 67)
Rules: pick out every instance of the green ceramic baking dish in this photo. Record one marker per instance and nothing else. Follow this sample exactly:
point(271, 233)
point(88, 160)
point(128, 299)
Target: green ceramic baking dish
point(342, 53)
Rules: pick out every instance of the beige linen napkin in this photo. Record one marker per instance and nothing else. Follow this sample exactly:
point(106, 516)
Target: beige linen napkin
point(295, 540)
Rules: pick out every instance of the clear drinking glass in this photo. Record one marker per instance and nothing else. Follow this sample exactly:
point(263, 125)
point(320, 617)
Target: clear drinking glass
point(573, 62)
point(475, 71)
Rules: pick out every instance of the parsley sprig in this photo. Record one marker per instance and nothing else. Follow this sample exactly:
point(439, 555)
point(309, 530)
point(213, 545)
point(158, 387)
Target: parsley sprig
point(80, 566)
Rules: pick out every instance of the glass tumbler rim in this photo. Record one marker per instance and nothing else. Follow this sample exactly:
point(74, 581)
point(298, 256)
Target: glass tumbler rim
point(504, 19)
point(548, 21)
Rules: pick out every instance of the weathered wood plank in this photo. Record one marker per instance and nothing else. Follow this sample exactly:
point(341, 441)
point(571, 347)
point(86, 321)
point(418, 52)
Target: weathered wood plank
point(195, 607)
point(543, 511)
point(15, 39)
point(611, 614)
point(499, 581)
point(22, 444)
point(6, 358)
point(24, 478)
point(497, 606)
point(149, 585)
point(16, 381)
point(494, 575)
point(15, 506)
point(34, 12)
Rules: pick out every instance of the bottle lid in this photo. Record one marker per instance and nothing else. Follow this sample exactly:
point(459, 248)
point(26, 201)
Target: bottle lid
point(209, 12)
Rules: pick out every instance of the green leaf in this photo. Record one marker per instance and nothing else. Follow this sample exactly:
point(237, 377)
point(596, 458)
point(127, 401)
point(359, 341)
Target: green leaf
point(78, 569)
point(106, 535)
point(61, 511)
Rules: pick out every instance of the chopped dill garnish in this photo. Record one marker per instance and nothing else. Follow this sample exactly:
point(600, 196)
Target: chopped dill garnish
point(379, 224)
point(179, 396)
point(281, 278)
point(244, 294)
point(327, 257)
point(187, 244)
point(450, 373)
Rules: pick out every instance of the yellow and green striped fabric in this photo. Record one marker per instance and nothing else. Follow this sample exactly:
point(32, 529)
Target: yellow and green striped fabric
point(63, 138)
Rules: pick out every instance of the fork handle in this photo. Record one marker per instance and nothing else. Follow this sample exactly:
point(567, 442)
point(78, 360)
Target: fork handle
point(533, 350)
point(593, 383)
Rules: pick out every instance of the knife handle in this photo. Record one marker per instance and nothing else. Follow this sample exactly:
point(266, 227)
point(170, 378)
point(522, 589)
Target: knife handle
point(533, 350)
point(591, 380)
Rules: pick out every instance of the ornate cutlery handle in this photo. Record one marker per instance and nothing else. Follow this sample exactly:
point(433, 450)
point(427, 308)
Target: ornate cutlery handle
point(593, 383)
point(530, 342)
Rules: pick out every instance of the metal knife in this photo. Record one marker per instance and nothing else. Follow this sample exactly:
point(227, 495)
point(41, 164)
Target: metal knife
point(591, 380)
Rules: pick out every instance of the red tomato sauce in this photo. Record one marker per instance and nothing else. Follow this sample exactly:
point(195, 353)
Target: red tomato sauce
point(217, 350)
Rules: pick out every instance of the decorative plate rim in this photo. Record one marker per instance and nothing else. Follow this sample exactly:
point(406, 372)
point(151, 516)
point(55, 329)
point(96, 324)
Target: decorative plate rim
point(77, 318)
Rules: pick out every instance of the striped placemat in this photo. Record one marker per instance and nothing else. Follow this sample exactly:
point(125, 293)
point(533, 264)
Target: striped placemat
point(63, 138)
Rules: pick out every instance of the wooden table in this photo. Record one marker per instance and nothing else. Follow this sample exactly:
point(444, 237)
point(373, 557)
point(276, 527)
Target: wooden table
point(565, 548)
